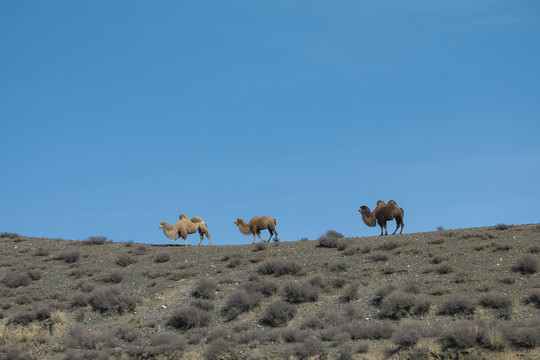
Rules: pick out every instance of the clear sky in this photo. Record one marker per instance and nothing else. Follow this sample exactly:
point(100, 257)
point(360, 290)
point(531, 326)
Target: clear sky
point(117, 115)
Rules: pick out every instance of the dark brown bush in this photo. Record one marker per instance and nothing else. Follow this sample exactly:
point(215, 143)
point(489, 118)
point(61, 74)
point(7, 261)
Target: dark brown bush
point(533, 298)
point(525, 334)
point(461, 335)
point(445, 269)
point(350, 294)
point(80, 338)
point(257, 284)
point(114, 276)
point(299, 292)
point(69, 256)
point(278, 314)
point(535, 249)
point(167, 345)
point(400, 304)
point(205, 288)
point(41, 252)
point(34, 313)
point(308, 349)
point(125, 260)
point(330, 240)
point(407, 335)
point(111, 300)
point(280, 268)
point(239, 302)
point(162, 257)
point(360, 330)
point(95, 240)
point(496, 301)
point(378, 256)
point(15, 279)
point(221, 349)
point(458, 304)
point(382, 292)
point(527, 264)
point(389, 245)
point(188, 316)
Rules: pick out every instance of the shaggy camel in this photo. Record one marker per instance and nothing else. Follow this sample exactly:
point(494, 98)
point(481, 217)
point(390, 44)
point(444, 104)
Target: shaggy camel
point(383, 213)
point(257, 224)
point(185, 226)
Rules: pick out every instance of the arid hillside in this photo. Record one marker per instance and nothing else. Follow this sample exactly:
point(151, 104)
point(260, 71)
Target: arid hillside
point(448, 294)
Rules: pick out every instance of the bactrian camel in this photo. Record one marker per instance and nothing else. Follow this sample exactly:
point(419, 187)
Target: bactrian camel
point(383, 213)
point(185, 226)
point(255, 226)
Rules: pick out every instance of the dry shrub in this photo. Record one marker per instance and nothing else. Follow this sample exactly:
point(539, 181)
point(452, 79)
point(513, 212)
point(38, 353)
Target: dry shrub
point(533, 298)
point(221, 349)
point(458, 304)
point(166, 345)
point(535, 249)
point(350, 293)
point(400, 304)
point(296, 292)
point(114, 276)
point(497, 301)
point(407, 335)
point(389, 245)
point(162, 257)
point(239, 302)
point(378, 256)
point(278, 314)
point(527, 264)
point(110, 300)
point(444, 269)
point(257, 284)
point(525, 334)
point(35, 313)
point(14, 351)
point(305, 350)
point(280, 268)
point(461, 335)
point(95, 240)
point(188, 316)
point(330, 240)
point(205, 288)
point(125, 260)
point(360, 330)
point(68, 256)
point(16, 278)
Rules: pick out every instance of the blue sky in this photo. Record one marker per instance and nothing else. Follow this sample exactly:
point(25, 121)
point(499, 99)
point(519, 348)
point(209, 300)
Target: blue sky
point(117, 115)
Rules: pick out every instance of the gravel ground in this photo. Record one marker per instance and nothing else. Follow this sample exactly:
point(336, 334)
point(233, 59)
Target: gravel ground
point(439, 265)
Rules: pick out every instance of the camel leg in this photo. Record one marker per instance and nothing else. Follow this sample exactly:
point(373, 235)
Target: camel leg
point(208, 237)
point(184, 236)
point(397, 227)
point(254, 238)
point(259, 235)
point(200, 241)
point(271, 234)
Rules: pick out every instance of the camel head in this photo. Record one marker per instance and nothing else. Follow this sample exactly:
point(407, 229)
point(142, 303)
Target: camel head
point(163, 225)
point(238, 221)
point(363, 209)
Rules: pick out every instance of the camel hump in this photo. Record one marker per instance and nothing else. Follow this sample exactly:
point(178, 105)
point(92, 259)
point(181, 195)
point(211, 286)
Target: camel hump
point(183, 216)
point(196, 219)
point(275, 222)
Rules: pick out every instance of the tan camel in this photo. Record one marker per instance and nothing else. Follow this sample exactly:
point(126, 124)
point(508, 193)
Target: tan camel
point(383, 213)
point(185, 226)
point(255, 226)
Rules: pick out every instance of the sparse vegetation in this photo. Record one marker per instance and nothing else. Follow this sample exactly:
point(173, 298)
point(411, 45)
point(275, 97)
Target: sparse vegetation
point(218, 302)
point(527, 264)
